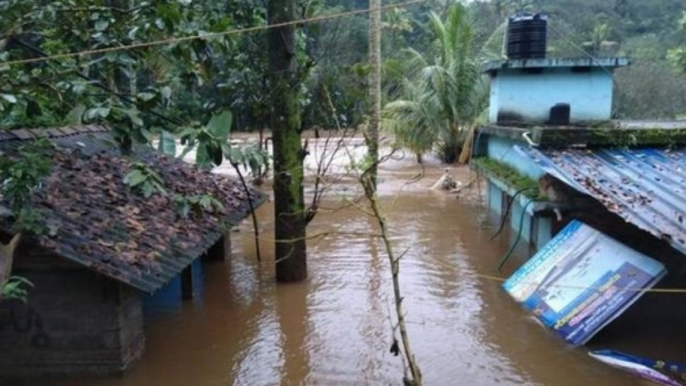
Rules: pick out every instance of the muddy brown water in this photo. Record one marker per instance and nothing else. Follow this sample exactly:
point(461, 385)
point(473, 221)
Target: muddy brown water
point(335, 328)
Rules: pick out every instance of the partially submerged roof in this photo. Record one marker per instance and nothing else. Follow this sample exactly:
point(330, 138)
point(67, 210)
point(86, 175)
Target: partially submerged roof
point(99, 222)
point(646, 187)
point(542, 63)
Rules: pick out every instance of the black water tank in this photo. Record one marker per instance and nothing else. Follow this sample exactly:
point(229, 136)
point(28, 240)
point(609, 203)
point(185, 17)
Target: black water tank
point(527, 36)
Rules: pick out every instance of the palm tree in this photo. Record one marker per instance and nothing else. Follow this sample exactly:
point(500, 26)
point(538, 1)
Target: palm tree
point(599, 41)
point(443, 93)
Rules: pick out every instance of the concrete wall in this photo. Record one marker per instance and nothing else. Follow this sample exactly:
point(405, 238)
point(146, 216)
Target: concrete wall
point(529, 96)
point(536, 231)
point(76, 323)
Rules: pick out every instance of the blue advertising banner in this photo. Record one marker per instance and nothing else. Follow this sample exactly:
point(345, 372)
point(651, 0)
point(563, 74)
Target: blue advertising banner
point(581, 281)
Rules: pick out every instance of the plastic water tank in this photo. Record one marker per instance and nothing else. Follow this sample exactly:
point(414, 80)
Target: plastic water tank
point(527, 36)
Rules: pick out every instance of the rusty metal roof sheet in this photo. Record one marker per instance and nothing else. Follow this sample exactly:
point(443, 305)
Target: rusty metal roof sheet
point(100, 223)
point(646, 187)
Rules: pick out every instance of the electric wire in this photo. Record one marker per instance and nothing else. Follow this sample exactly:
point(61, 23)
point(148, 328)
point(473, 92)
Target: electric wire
point(506, 257)
point(174, 40)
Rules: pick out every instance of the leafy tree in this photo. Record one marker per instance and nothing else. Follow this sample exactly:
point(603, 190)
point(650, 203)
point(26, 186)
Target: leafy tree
point(289, 203)
point(649, 90)
point(443, 94)
point(19, 178)
point(678, 55)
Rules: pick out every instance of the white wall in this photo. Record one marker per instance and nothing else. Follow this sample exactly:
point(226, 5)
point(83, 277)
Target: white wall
point(531, 95)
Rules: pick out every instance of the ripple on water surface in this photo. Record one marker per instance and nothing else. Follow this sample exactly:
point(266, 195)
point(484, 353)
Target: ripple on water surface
point(336, 328)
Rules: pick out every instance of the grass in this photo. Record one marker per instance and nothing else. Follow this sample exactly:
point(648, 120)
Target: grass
point(509, 176)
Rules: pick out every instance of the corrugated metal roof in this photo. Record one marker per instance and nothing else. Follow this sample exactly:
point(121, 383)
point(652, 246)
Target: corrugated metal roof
point(102, 224)
point(646, 187)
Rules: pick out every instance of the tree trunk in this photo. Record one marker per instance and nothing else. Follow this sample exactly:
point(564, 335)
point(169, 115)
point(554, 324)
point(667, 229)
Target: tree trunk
point(6, 259)
point(466, 153)
point(289, 208)
point(374, 88)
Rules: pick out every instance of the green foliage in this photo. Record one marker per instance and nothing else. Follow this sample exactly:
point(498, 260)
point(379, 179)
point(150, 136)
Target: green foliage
point(174, 86)
point(677, 56)
point(251, 157)
point(20, 178)
point(145, 180)
point(138, 92)
point(602, 27)
point(443, 93)
point(510, 176)
point(167, 144)
point(196, 205)
point(649, 90)
point(16, 288)
point(212, 145)
point(651, 32)
point(210, 141)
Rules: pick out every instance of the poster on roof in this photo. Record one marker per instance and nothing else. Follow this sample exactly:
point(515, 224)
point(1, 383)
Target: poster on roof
point(582, 280)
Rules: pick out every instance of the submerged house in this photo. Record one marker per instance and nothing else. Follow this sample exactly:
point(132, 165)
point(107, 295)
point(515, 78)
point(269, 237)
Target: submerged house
point(104, 248)
point(558, 164)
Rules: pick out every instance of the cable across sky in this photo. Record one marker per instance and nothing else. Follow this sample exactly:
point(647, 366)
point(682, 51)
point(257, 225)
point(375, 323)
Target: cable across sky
point(316, 19)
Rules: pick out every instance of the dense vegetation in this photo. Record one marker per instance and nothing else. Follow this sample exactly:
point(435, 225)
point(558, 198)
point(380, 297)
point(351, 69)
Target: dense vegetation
point(174, 85)
point(203, 65)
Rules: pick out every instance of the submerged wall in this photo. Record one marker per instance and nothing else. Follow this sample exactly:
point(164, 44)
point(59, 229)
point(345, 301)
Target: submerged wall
point(76, 323)
point(536, 231)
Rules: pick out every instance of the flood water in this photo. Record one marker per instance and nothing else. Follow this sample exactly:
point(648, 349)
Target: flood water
point(336, 329)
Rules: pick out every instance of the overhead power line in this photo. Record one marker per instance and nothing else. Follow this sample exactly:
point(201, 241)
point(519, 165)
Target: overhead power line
point(173, 40)
point(100, 85)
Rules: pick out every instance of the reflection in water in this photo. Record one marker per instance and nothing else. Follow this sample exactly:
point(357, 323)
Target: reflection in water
point(292, 315)
point(336, 328)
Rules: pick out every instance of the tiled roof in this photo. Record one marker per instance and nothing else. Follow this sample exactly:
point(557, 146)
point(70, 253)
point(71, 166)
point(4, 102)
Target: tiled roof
point(101, 223)
point(646, 187)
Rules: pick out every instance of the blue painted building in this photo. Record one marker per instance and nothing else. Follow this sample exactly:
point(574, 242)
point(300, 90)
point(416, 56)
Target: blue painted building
point(592, 195)
point(587, 153)
point(525, 90)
